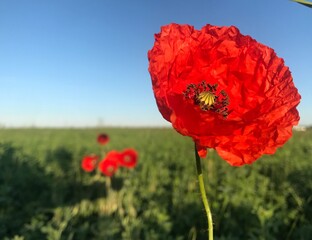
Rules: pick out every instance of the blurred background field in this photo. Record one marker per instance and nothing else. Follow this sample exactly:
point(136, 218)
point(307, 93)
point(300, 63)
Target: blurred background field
point(44, 193)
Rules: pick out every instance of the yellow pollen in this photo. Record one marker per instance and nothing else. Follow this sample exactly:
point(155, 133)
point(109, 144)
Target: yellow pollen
point(206, 98)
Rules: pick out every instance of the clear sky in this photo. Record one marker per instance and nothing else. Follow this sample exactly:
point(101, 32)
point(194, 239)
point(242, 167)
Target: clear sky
point(84, 62)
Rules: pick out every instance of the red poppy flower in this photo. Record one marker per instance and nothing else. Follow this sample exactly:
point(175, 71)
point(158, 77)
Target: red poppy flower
point(109, 165)
point(223, 89)
point(102, 139)
point(129, 158)
point(89, 162)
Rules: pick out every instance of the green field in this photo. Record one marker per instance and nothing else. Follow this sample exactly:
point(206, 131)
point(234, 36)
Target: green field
point(44, 193)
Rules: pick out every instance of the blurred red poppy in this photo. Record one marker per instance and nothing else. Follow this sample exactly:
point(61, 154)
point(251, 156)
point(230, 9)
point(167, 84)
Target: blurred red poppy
point(102, 139)
point(223, 89)
point(129, 158)
point(109, 165)
point(89, 163)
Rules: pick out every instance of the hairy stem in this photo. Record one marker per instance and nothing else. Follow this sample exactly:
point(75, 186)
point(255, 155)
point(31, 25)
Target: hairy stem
point(203, 195)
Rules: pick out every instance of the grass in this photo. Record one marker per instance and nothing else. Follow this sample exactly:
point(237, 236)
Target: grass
point(44, 194)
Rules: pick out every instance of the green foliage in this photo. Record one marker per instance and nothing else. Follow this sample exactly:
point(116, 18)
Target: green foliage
point(44, 194)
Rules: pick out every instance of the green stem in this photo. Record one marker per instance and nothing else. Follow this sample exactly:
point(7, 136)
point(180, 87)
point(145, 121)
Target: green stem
point(203, 195)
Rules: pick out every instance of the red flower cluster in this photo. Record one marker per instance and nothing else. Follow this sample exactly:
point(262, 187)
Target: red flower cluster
point(127, 158)
point(223, 89)
point(112, 161)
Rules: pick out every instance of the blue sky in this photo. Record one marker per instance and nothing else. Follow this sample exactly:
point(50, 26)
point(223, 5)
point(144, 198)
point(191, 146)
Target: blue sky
point(83, 63)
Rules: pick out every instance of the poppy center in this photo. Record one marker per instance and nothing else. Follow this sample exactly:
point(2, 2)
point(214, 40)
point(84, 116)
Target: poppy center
point(110, 169)
point(127, 159)
point(208, 97)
